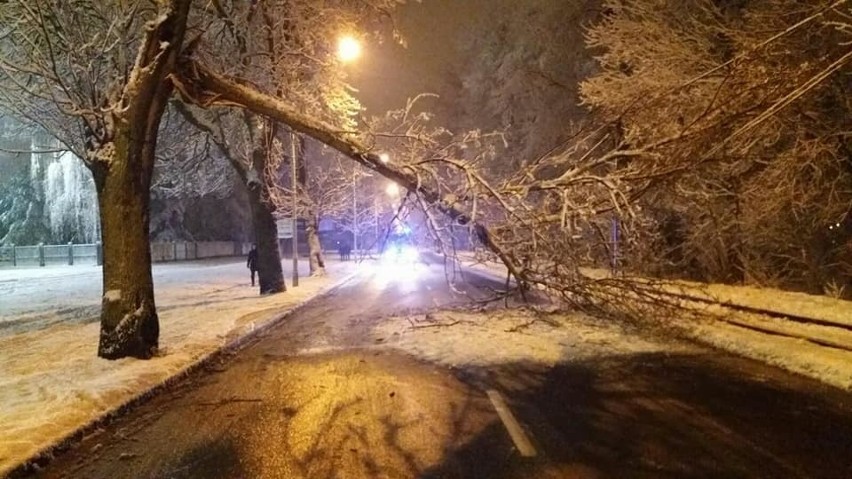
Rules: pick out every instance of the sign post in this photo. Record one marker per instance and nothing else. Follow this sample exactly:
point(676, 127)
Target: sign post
point(294, 184)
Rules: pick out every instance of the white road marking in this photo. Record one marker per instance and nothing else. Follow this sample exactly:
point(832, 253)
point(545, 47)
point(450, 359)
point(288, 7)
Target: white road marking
point(319, 349)
point(517, 434)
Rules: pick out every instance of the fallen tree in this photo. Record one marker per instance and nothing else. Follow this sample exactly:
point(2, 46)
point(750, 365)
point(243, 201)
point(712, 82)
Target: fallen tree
point(580, 204)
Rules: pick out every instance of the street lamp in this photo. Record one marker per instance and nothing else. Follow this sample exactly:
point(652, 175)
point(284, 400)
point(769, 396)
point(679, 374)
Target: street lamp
point(348, 48)
point(392, 190)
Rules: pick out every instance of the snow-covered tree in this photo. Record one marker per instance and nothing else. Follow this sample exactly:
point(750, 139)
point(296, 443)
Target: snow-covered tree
point(323, 188)
point(519, 73)
point(552, 213)
point(195, 193)
point(94, 74)
point(745, 105)
point(286, 48)
point(98, 76)
point(330, 187)
point(21, 204)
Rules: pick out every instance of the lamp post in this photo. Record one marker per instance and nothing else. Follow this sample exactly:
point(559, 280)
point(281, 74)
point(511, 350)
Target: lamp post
point(355, 209)
point(348, 50)
point(294, 185)
point(376, 222)
point(392, 190)
point(385, 158)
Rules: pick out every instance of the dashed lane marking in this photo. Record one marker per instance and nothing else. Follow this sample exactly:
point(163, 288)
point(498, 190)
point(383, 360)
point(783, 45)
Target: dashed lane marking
point(519, 437)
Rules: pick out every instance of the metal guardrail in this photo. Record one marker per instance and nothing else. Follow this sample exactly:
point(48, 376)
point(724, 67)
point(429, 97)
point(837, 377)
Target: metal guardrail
point(92, 253)
point(50, 255)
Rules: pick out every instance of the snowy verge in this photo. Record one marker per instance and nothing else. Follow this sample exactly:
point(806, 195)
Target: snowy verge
point(800, 354)
point(462, 338)
point(53, 388)
point(829, 365)
point(780, 301)
point(472, 262)
point(823, 308)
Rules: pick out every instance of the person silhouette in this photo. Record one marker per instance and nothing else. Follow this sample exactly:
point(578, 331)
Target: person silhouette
point(251, 263)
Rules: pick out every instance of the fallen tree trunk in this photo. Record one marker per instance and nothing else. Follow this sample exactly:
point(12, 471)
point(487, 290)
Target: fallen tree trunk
point(204, 87)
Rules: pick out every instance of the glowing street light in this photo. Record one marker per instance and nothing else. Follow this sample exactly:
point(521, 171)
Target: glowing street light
point(348, 49)
point(392, 189)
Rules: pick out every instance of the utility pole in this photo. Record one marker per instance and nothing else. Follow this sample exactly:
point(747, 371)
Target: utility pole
point(294, 185)
point(376, 222)
point(355, 209)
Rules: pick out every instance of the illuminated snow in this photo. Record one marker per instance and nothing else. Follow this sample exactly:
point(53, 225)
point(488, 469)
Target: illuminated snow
point(51, 381)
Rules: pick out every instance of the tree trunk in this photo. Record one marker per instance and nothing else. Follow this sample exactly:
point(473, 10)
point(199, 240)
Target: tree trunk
point(200, 85)
point(123, 150)
point(256, 181)
point(315, 258)
point(269, 273)
point(317, 262)
point(129, 323)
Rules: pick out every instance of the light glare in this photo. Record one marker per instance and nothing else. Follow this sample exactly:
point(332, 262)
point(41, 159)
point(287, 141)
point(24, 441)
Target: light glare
point(392, 189)
point(348, 49)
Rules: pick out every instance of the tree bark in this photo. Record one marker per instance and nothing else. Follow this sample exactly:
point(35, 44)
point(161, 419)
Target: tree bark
point(129, 322)
point(316, 261)
point(253, 177)
point(269, 272)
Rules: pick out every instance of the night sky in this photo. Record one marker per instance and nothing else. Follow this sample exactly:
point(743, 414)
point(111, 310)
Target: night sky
point(387, 74)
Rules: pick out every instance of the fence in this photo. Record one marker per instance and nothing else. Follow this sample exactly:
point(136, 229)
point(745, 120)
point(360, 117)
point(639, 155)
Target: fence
point(71, 254)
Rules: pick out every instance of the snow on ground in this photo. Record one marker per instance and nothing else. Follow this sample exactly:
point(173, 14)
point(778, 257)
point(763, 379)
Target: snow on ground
point(41, 296)
point(477, 263)
point(830, 365)
point(51, 381)
point(456, 338)
point(34, 295)
point(817, 351)
point(825, 335)
point(784, 302)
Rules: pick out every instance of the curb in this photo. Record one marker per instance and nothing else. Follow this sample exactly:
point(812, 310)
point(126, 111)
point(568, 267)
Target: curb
point(35, 462)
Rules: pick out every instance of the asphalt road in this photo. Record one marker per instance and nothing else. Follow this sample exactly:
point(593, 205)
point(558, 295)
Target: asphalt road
point(315, 399)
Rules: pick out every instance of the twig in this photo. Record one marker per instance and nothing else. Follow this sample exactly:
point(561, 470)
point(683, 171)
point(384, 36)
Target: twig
point(438, 325)
point(222, 402)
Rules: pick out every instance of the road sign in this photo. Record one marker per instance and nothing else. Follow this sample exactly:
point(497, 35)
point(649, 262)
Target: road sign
point(285, 228)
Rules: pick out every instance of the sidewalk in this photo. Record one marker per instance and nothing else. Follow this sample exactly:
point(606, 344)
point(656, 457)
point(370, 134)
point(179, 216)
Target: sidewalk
point(52, 384)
